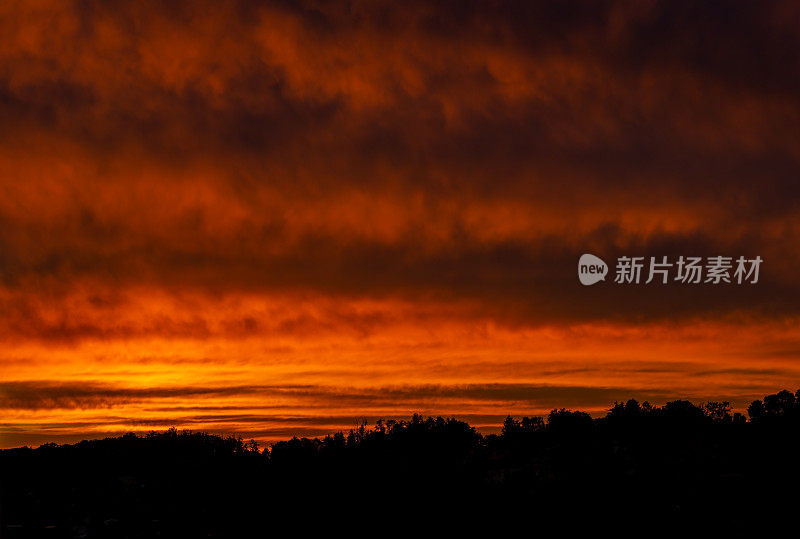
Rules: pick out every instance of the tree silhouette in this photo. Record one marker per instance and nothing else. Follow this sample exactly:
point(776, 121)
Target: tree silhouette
point(718, 411)
point(783, 404)
point(680, 465)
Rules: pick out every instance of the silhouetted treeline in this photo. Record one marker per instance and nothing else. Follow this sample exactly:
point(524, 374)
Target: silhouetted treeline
point(640, 468)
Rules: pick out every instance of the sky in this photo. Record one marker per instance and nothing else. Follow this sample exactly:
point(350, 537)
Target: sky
point(281, 218)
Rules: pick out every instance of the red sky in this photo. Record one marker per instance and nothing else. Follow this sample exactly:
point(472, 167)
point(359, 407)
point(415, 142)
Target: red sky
point(275, 218)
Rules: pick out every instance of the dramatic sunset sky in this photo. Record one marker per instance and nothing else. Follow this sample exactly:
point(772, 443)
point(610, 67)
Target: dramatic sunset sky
point(274, 218)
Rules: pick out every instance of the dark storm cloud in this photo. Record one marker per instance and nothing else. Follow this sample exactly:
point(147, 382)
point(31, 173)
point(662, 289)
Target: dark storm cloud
point(35, 395)
point(449, 150)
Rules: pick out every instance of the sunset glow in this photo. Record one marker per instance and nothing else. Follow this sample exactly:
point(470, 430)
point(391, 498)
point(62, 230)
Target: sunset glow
point(274, 220)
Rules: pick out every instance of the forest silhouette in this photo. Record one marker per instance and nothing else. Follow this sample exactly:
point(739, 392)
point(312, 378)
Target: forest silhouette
point(641, 468)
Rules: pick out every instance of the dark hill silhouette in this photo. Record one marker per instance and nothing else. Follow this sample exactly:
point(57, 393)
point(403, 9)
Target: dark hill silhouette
point(641, 468)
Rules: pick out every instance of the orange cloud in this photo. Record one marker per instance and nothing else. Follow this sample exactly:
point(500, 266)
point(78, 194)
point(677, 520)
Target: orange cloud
point(384, 204)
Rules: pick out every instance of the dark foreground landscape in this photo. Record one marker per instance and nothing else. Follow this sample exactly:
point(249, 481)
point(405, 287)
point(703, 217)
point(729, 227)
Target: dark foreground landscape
point(677, 468)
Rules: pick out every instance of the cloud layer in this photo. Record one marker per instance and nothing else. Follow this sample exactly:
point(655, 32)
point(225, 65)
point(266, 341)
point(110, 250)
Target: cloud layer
point(334, 186)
